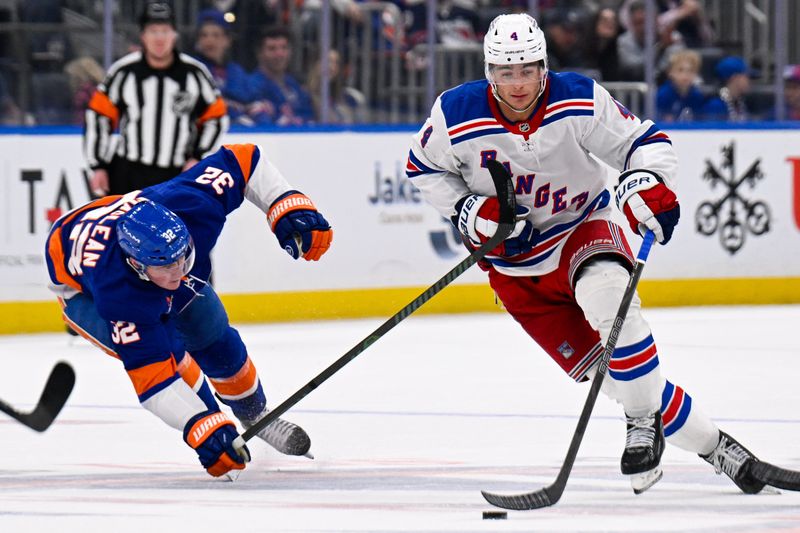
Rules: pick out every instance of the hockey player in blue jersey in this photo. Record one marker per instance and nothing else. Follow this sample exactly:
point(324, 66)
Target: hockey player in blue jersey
point(562, 272)
point(131, 274)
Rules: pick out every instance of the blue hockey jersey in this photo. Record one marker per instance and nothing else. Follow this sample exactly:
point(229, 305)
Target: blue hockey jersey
point(83, 255)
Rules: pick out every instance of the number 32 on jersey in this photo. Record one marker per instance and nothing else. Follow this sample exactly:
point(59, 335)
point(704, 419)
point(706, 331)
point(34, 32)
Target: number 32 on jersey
point(124, 333)
point(217, 178)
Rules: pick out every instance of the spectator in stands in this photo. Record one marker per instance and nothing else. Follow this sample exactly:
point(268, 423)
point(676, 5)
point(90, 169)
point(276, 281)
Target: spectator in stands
point(351, 24)
point(346, 104)
point(630, 45)
point(84, 74)
point(601, 44)
point(688, 19)
point(213, 50)
point(791, 91)
point(729, 104)
point(248, 18)
point(679, 99)
point(458, 22)
point(278, 96)
point(562, 29)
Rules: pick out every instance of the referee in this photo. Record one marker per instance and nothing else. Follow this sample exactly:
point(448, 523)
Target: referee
point(165, 106)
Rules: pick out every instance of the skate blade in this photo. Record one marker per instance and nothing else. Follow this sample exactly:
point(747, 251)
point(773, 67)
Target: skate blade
point(644, 480)
point(231, 476)
point(309, 455)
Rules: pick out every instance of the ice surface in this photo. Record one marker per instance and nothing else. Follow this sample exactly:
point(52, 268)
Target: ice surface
point(407, 434)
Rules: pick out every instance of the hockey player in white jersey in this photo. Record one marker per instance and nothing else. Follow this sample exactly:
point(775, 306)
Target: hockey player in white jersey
point(562, 272)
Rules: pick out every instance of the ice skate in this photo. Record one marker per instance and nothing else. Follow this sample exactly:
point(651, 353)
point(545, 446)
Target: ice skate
point(286, 437)
point(736, 461)
point(644, 445)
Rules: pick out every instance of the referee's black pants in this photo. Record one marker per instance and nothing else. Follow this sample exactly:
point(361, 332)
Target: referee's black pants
point(125, 176)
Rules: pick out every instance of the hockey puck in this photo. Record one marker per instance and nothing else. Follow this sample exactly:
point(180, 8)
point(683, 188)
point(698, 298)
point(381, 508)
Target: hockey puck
point(495, 515)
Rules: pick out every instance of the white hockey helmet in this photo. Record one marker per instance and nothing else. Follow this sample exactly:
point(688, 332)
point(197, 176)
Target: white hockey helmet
point(514, 39)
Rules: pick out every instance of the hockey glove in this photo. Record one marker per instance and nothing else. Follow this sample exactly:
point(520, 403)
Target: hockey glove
point(477, 218)
point(648, 203)
point(301, 230)
point(212, 436)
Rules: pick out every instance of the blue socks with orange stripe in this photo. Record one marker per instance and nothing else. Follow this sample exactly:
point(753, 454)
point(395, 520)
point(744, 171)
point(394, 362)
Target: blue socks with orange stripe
point(249, 408)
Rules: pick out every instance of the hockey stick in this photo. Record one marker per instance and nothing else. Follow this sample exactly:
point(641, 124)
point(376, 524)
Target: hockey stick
point(507, 201)
point(549, 495)
point(776, 476)
point(54, 396)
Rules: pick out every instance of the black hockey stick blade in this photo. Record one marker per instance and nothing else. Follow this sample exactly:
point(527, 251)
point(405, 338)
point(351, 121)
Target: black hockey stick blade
point(507, 218)
point(549, 495)
point(776, 476)
point(56, 391)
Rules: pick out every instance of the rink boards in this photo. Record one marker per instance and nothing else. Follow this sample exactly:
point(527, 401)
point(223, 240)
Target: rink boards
point(738, 240)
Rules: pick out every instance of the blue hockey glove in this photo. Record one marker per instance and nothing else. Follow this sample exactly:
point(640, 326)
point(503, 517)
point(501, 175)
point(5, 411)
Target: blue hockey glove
point(301, 230)
point(217, 443)
point(477, 218)
point(648, 203)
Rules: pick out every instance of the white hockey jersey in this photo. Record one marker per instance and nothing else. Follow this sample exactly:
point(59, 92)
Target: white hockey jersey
point(547, 155)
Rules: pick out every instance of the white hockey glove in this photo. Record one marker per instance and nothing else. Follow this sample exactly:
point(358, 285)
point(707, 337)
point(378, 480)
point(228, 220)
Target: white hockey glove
point(648, 203)
point(477, 218)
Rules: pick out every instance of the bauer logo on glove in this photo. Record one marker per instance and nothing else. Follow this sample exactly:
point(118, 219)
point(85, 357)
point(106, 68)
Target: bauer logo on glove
point(301, 230)
point(477, 218)
point(647, 203)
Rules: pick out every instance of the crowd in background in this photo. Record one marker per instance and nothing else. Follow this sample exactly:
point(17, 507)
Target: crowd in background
point(264, 55)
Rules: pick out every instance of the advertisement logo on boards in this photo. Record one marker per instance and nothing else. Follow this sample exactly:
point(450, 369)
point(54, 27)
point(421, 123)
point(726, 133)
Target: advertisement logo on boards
point(447, 241)
point(732, 215)
point(35, 178)
point(33, 213)
point(399, 201)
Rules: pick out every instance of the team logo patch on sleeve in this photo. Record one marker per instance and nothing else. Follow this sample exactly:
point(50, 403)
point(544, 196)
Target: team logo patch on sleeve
point(426, 136)
point(566, 350)
point(624, 111)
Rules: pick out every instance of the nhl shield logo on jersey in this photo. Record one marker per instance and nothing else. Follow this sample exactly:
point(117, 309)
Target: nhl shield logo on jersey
point(183, 103)
point(524, 127)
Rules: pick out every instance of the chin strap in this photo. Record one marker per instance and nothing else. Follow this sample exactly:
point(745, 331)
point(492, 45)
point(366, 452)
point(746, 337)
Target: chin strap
point(140, 269)
point(511, 107)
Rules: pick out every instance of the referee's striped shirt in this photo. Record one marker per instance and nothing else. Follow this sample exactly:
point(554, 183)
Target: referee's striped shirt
point(164, 116)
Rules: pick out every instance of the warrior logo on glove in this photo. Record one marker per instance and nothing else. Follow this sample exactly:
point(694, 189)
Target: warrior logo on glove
point(213, 437)
point(301, 230)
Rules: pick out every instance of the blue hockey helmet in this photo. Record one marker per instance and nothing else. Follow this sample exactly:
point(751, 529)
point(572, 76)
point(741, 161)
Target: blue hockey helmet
point(152, 235)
